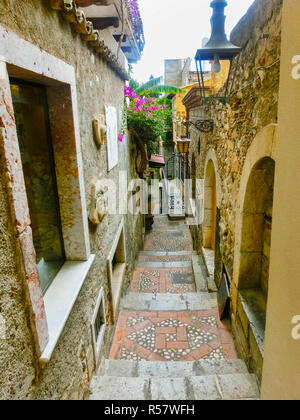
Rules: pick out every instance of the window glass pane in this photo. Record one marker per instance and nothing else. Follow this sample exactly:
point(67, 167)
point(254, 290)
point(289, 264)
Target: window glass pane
point(30, 107)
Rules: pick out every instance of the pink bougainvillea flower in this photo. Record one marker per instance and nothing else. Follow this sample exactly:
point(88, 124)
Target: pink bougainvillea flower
point(120, 138)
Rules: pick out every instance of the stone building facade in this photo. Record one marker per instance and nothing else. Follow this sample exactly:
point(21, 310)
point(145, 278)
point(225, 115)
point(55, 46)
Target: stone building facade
point(53, 338)
point(236, 163)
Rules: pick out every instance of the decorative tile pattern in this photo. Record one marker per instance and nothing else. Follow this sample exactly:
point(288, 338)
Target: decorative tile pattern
point(145, 338)
point(129, 355)
point(163, 280)
point(181, 277)
point(146, 283)
point(153, 273)
point(175, 336)
point(169, 336)
point(172, 354)
point(131, 322)
point(215, 355)
point(169, 240)
point(197, 337)
point(180, 288)
point(207, 320)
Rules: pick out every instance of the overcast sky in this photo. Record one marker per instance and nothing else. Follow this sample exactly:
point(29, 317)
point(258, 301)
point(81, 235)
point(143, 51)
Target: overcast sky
point(175, 29)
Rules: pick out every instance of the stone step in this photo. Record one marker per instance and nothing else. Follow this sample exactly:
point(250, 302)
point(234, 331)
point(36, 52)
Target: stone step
point(129, 368)
point(156, 264)
point(169, 302)
point(210, 387)
point(164, 253)
point(165, 257)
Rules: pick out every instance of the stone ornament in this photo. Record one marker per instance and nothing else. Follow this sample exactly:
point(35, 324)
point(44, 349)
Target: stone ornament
point(98, 207)
point(100, 130)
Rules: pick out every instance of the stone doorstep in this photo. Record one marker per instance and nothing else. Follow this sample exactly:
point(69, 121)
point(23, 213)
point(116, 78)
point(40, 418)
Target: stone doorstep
point(212, 387)
point(169, 302)
point(129, 368)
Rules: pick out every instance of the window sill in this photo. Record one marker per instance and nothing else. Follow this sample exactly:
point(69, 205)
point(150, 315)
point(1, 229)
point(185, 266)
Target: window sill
point(255, 307)
point(60, 299)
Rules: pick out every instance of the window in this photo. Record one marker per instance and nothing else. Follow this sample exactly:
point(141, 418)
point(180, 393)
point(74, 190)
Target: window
point(98, 325)
point(32, 121)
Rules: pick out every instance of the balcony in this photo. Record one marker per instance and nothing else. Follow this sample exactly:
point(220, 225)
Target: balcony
point(116, 22)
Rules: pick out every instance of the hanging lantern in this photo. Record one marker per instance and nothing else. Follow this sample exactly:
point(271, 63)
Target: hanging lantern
point(183, 145)
point(218, 51)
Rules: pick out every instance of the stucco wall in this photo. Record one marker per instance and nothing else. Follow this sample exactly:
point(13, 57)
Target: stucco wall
point(70, 368)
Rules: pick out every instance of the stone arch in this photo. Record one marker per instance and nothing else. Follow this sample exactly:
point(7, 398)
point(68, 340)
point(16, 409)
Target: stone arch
point(211, 156)
point(262, 147)
point(249, 288)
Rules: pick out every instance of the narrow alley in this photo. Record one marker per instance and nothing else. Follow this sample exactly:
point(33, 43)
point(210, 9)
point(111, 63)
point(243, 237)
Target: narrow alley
point(149, 202)
point(169, 343)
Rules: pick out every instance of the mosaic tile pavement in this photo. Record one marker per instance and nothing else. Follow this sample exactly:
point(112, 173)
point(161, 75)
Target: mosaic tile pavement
point(171, 336)
point(169, 240)
point(163, 280)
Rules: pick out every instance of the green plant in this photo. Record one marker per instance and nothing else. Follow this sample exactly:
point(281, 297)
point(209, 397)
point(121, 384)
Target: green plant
point(156, 86)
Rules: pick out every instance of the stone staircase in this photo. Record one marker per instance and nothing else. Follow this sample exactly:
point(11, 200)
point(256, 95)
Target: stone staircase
point(199, 380)
point(158, 309)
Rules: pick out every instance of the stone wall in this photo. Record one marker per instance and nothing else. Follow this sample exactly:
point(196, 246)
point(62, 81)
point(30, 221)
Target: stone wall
point(72, 363)
point(253, 106)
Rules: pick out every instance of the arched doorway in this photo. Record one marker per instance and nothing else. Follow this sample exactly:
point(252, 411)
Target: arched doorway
point(253, 228)
point(256, 228)
point(210, 207)
point(193, 176)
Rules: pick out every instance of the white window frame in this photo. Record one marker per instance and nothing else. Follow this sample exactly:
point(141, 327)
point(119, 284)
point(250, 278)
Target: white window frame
point(97, 342)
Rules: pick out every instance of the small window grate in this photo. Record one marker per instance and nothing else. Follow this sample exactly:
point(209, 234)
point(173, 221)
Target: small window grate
point(100, 320)
point(98, 325)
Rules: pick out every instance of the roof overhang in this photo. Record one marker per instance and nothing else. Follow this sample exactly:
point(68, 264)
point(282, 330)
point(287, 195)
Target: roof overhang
point(157, 161)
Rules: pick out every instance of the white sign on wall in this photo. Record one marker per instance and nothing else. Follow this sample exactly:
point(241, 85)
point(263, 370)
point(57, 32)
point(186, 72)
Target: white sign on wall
point(112, 137)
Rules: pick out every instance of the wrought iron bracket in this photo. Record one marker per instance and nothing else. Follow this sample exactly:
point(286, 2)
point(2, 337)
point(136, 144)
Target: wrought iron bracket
point(205, 126)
